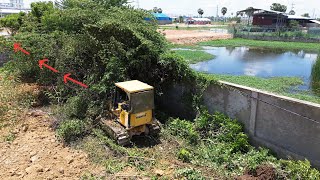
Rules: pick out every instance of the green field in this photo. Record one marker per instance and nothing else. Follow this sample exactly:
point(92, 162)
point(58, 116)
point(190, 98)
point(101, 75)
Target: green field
point(313, 47)
point(194, 56)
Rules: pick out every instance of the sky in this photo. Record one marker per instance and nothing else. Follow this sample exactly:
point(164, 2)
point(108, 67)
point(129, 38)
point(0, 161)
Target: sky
point(190, 7)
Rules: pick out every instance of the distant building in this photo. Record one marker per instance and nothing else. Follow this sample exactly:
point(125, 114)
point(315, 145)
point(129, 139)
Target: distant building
point(275, 19)
point(162, 19)
point(198, 21)
point(13, 7)
point(14, 4)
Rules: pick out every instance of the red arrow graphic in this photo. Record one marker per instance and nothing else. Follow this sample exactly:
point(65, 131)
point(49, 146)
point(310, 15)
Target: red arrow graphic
point(43, 63)
point(17, 47)
point(66, 78)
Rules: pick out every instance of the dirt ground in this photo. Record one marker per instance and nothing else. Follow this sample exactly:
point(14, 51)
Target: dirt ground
point(35, 153)
point(193, 36)
point(260, 173)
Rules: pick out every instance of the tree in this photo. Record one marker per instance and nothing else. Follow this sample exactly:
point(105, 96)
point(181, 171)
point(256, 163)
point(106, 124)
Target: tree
point(155, 10)
point(159, 10)
point(200, 12)
point(181, 19)
point(305, 15)
point(12, 22)
point(278, 7)
point(249, 13)
point(224, 10)
point(292, 12)
point(239, 14)
point(294, 25)
point(38, 9)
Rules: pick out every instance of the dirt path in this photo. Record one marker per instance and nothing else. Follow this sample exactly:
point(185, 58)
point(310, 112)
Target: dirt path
point(193, 36)
point(36, 154)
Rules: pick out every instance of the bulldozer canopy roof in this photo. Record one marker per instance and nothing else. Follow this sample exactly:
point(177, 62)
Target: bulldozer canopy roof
point(133, 86)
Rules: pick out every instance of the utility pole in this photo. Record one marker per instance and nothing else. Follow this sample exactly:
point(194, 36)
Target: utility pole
point(314, 11)
point(217, 10)
point(292, 6)
point(138, 4)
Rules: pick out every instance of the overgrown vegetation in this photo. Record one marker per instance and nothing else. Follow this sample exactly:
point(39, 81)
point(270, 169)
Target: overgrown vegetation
point(315, 77)
point(218, 142)
point(114, 43)
point(314, 47)
point(275, 84)
point(194, 56)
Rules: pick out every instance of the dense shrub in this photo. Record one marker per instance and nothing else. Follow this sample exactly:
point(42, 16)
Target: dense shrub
point(223, 129)
point(184, 129)
point(70, 130)
point(300, 170)
point(222, 145)
point(98, 48)
point(315, 77)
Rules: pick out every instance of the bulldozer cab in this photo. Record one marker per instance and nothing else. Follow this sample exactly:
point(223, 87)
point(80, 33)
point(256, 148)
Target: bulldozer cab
point(134, 96)
point(133, 103)
point(133, 107)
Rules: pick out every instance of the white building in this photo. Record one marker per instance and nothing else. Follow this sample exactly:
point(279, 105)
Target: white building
point(12, 7)
point(14, 4)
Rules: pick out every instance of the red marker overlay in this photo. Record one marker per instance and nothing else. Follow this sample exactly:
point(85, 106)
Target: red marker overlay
point(66, 78)
point(43, 63)
point(17, 47)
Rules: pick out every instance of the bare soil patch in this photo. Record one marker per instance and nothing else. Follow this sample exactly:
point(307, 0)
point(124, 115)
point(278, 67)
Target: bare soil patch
point(260, 173)
point(193, 37)
point(35, 153)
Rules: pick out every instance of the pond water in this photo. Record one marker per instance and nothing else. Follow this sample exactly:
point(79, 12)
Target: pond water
point(259, 62)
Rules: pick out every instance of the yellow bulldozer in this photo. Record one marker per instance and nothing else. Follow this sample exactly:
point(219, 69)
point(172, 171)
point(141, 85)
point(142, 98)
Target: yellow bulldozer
point(133, 112)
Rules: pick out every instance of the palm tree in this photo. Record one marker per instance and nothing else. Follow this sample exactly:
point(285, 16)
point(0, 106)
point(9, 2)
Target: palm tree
point(249, 13)
point(155, 9)
point(200, 12)
point(224, 11)
point(292, 12)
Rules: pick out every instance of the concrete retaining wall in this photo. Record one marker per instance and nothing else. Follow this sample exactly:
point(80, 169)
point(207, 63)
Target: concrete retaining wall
point(287, 126)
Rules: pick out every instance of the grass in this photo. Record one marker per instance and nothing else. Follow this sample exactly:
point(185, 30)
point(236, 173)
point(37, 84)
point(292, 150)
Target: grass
point(184, 46)
point(312, 47)
point(278, 85)
point(194, 56)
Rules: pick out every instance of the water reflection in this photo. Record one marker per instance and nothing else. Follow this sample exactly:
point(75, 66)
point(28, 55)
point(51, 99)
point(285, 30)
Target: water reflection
point(259, 62)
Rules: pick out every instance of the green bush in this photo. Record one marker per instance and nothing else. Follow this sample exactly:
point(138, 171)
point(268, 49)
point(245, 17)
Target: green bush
point(184, 129)
point(315, 77)
point(190, 174)
point(76, 107)
point(70, 130)
point(300, 170)
point(184, 155)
